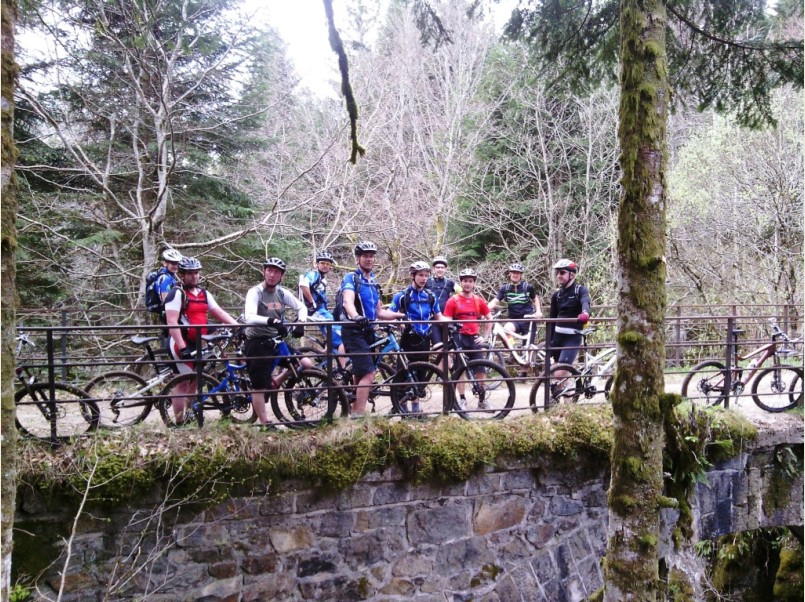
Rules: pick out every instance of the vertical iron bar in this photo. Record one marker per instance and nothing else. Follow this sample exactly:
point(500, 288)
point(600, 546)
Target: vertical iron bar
point(678, 337)
point(64, 345)
point(52, 388)
point(199, 368)
point(330, 358)
point(731, 341)
point(547, 392)
point(447, 388)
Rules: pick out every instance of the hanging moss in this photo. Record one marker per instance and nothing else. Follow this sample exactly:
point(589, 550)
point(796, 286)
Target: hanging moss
point(788, 583)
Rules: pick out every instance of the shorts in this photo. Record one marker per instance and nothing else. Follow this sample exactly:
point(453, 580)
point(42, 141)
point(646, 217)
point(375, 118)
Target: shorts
point(327, 316)
point(357, 342)
point(565, 347)
point(261, 359)
point(411, 340)
point(468, 344)
point(180, 367)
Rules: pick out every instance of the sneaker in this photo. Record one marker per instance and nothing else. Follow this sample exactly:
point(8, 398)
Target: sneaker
point(462, 404)
point(198, 410)
point(483, 404)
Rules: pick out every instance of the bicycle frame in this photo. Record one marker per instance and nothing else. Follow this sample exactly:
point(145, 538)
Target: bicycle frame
point(522, 353)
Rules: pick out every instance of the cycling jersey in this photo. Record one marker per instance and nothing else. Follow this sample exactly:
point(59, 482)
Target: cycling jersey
point(262, 305)
point(418, 306)
point(192, 307)
point(166, 282)
point(519, 298)
point(443, 288)
point(369, 293)
point(569, 302)
point(317, 283)
point(460, 307)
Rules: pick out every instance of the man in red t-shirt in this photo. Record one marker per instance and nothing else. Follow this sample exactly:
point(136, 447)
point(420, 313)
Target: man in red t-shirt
point(468, 306)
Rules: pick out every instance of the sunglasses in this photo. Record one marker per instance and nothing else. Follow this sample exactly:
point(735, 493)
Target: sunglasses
point(561, 272)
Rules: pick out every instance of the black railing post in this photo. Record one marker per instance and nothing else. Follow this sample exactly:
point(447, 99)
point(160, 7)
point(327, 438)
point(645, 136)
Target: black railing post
point(547, 392)
point(52, 388)
point(731, 341)
point(678, 337)
point(64, 345)
point(447, 389)
point(199, 367)
point(330, 358)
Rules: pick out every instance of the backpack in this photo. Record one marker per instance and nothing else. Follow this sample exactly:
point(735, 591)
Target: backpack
point(153, 300)
point(405, 300)
point(313, 286)
point(338, 310)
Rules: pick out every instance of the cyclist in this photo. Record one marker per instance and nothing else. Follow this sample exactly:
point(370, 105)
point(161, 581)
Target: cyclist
point(188, 305)
point(313, 292)
point(417, 302)
point(442, 287)
point(361, 304)
point(265, 314)
point(166, 280)
point(521, 300)
point(466, 305)
point(572, 300)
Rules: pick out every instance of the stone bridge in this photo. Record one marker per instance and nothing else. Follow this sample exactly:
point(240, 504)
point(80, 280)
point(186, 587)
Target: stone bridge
point(514, 532)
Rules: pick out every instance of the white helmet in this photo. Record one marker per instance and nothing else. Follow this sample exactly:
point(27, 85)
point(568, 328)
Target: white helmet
point(171, 255)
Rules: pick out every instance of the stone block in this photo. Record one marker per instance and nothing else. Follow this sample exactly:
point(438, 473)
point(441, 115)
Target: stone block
point(595, 498)
point(316, 565)
point(518, 480)
point(390, 493)
point(437, 525)
point(73, 581)
point(222, 570)
point(561, 505)
point(465, 553)
point(527, 586)
point(354, 498)
point(496, 514)
point(289, 539)
point(540, 534)
point(706, 498)
point(735, 463)
point(336, 524)
point(590, 575)
point(366, 520)
point(398, 587)
point(537, 510)
point(366, 549)
point(312, 501)
point(234, 509)
point(506, 589)
point(278, 504)
point(412, 565)
point(553, 590)
point(196, 535)
point(564, 562)
point(484, 484)
point(270, 586)
point(425, 492)
point(255, 564)
point(515, 551)
point(579, 546)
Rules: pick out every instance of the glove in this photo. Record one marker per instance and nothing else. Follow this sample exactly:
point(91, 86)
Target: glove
point(282, 330)
point(584, 317)
point(361, 321)
point(298, 331)
point(186, 353)
point(480, 341)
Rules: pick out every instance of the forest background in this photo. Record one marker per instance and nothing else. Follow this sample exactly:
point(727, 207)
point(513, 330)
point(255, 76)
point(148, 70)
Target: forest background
point(180, 123)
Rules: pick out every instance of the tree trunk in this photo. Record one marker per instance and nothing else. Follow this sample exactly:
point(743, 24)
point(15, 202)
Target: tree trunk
point(632, 563)
point(8, 432)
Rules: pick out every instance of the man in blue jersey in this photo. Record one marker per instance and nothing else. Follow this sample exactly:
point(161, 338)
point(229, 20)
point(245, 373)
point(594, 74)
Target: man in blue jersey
point(361, 309)
point(313, 293)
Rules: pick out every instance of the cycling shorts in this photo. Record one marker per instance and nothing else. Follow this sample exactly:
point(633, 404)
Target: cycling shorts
point(262, 357)
point(565, 347)
point(357, 342)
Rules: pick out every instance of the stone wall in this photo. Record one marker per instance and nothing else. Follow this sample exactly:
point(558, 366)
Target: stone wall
point(514, 532)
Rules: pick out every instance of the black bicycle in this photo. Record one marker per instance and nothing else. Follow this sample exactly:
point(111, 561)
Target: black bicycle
point(50, 410)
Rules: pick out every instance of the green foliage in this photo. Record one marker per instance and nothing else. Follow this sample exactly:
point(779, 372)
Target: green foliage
point(20, 593)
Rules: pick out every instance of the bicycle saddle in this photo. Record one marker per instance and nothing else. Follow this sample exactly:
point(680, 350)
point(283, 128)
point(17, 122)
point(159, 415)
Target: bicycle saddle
point(139, 339)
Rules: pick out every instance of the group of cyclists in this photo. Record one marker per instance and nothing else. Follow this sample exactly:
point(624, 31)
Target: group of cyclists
point(430, 298)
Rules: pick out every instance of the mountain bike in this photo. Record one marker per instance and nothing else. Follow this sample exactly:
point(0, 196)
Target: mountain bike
point(775, 389)
point(489, 389)
point(595, 377)
point(46, 410)
point(524, 353)
point(122, 395)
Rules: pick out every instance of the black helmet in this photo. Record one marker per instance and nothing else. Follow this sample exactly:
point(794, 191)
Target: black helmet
point(418, 266)
point(439, 259)
point(171, 255)
point(365, 246)
point(467, 273)
point(274, 262)
point(325, 256)
point(189, 264)
point(516, 267)
point(566, 264)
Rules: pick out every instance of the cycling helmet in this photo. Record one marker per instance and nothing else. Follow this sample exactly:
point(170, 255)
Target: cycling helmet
point(418, 266)
point(566, 264)
point(516, 267)
point(325, 256)
point(189, 264)
point(468, 273)
point(171, 255)
point(365, 246)
point(275, 262)
point(439, 259)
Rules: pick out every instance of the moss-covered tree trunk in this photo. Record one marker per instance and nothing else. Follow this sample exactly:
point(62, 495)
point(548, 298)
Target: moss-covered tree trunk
point(632, 563)
point(8, 445)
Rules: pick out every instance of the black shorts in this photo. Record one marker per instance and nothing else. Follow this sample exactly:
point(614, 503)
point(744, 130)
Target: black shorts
point(565, 347)
point(356, 342)
point(468, 344)
point(260, 361)
point(521, 327)
point(412, 341)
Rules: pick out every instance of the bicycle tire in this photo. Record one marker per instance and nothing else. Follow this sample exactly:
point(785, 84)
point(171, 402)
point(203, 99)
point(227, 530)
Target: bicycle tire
point(165, 405)
point(404, 390)
point(111, 388)
point(796, 390)
point(564, 388)
point(305, 398)
point(772, 389)
point(500, 400)
point(72, 419)
point(705, 379)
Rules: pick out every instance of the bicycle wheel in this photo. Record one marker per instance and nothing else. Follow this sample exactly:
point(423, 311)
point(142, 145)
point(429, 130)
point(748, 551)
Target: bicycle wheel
point(305, 398)
point(121, 399)
point(496, 356)
point(419, 383)
point(705, 379)
point(237, 398)
point(564, 388)
point(185, 400)
point(73, 411)
point(483, 402)
point(775, 388)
